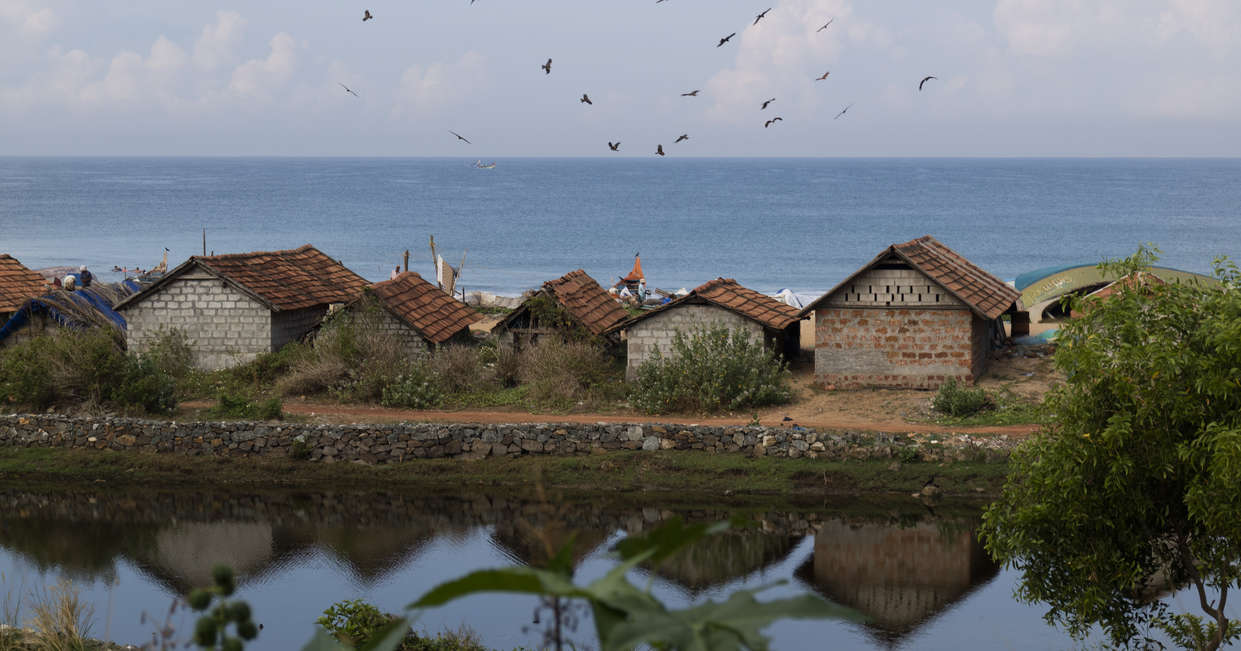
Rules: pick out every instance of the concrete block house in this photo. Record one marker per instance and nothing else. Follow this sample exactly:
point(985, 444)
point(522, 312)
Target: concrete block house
point(17, 285)
point(573, 306)
point(234, 307)
point(420, 315)
point(913, 317)
point(721, 302)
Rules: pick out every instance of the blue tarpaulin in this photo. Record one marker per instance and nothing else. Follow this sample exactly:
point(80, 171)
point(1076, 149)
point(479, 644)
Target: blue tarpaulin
point(96, 298)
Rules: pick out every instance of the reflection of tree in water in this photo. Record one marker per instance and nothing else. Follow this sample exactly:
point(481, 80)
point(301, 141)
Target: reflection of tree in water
point(83, 551)
point(716, 560)
point(900, 576)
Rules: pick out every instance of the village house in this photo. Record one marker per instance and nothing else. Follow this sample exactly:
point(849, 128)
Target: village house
point(235, 307)
point(420, 315)
point(719, 303)
point(17, 285)
point(573, 306)
point(913, 317)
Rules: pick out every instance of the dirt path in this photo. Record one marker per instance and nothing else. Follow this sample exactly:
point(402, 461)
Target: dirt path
point(337, 413)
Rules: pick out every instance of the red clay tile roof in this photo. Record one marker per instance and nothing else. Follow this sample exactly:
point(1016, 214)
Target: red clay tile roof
point(986, 295)
point(282, 280)
point(726, 293)
point(586, 301)
point(17, 284)
point(425, 307)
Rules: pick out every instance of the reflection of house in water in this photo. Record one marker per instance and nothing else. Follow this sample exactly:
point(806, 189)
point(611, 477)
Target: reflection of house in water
point(536, 544)
point(717, 560)
point(899, 577)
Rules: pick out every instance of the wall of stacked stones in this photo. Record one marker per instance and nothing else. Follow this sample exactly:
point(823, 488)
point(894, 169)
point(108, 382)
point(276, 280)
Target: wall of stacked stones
point(659, 330)
point(389, 443)
point(225, 327)
point(896, 347)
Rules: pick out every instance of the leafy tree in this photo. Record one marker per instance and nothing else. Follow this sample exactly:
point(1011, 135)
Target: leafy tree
point(1132, 490)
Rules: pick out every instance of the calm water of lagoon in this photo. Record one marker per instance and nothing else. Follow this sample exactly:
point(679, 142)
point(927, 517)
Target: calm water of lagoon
point(918, 574)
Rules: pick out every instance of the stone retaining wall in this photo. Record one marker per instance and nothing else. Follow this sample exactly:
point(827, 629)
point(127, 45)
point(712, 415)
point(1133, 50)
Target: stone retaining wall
point(389, 443)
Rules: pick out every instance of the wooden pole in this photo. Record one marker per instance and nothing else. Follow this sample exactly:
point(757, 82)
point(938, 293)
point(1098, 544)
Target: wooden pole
point(204, 240)
point(406, 259)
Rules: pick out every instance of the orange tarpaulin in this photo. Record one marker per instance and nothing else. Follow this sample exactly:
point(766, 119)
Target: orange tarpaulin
point(635, 275)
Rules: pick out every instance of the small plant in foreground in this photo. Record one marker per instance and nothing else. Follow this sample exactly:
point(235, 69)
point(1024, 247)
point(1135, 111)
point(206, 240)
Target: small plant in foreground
point(244, 408)
point(211, 630)
point(954, 399)
point(61, 619)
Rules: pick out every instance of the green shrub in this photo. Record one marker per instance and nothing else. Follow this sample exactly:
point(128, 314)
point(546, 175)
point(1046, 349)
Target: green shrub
point(502, 360)
point(74, 368)
point(353, 621)
point(559, 373)
point(241, 407)
point(352, 358)
point(955, 399)
point(416, 388)
point(171, 353)
point(711, 370)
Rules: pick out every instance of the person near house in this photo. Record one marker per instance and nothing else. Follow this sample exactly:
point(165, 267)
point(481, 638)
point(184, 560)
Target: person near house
point(395, 272)
point(69, 283)
point(85, 276)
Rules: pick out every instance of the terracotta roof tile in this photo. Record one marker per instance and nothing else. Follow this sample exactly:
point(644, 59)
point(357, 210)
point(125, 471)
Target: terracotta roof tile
point(425, 307)
point(17, 284)
point(726, 293)
point(984, 293)
point(288, 280)
point(586, 301)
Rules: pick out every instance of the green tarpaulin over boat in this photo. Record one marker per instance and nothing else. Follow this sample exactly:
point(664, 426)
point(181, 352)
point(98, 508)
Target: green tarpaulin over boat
point(1050, 282)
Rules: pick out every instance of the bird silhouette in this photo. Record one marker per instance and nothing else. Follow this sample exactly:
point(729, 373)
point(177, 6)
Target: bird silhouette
point(547, 67)
point(824, 76)
point(825, 25)
point(659, 150)
point(843, 111)
point(586, 99)
point(760, 16)
point(366, 15)
point(726, 39)
point(924, 80)
point(459, 137)
point(614, 146)
point(684, 136)
point(772, 121)
point(347, 89)
point(692, 93)
point(767, 102)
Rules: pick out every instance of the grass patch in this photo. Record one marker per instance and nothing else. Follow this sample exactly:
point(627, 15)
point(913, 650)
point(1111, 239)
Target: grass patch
point(1006, 408)
point(676, 472)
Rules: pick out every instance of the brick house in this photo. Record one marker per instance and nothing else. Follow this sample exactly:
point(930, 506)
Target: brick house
point(420, 315)
point(17, 285)
point(235, 307)
point(915, 316)
point(721, 302)
point(572, 306)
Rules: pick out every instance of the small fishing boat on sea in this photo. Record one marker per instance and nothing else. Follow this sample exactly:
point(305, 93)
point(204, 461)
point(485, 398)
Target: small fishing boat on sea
point(484, 166)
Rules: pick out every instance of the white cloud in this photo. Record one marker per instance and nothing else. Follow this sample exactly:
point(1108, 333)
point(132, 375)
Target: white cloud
point(1215, 23)
point(782, 55)
point(217, 45)
point(435, 86)
point(28, 21)
point(259, 77)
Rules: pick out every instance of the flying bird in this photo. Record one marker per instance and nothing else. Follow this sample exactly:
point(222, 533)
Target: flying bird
point(659, 150)
point(767, 102)
point(614, 146)
point(926, 79)
point(366, 15)
point(726, 39)
point(843, 111)
point(347, 89)
point(586, 99)
point(824, 76)
point(692, 93)
point(460, 137)
point(547, 67)
point(760, 16)
point(684, 136)
point(772, 121)
point(829, 22)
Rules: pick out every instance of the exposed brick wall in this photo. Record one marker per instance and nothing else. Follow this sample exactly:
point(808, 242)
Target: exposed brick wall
point(224, 326)
point(897, 347)
point(659, 330)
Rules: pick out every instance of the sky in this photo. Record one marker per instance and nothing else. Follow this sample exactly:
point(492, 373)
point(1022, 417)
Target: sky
point(1014, 78)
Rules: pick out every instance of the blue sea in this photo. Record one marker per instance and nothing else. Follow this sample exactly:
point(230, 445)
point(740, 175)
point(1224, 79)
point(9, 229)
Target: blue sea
point(799, 223)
